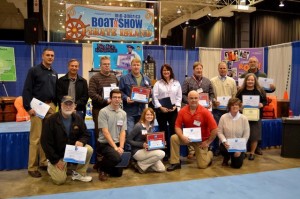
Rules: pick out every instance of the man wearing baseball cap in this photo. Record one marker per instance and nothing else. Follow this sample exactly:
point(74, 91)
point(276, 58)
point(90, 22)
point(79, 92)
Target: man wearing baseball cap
point(62, 128)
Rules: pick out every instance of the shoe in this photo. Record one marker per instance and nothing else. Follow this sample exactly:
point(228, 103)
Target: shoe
point(83, 178)
point(35, 174)
point(174, 167)
point(43, 168)
point(258, 151)
point(102, 176)
point(190, 156)
point(225, 162)
point(139, 169)
point(251, 157)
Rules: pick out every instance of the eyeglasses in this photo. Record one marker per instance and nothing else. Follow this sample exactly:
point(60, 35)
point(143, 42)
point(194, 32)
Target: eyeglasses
point(115, 97)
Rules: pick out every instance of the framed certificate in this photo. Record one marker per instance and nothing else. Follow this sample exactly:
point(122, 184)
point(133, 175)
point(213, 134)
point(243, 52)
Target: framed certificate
point(140, 94)
point(252, 114)
point(204, 99)
point(156, 140)
point(194, 134)
point(237, 144)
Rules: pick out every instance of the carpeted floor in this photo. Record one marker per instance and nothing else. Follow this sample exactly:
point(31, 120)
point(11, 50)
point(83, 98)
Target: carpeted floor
point(280, 184)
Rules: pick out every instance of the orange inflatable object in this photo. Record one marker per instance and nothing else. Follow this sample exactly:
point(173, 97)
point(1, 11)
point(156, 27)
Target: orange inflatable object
point(22, 114)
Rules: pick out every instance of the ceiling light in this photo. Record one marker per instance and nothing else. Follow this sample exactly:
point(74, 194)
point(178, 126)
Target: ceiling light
point(61, 2)
point(281, 4)
point(178, 11)
point(187, 22)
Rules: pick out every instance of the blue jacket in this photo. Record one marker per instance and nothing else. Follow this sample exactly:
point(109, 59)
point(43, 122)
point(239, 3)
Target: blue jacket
point(126, 82)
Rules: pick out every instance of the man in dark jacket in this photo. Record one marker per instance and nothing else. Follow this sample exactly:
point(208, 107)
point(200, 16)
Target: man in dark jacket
point(73, 85)
point(62, 128)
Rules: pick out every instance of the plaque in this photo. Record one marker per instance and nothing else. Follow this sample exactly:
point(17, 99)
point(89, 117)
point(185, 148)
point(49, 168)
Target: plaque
point(156, 140)
point(140, 94)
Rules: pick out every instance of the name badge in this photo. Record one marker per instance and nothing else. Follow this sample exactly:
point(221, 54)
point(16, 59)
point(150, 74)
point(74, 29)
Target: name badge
point(120, 122)
point(197, 123)
point(144, 132)
point(113, 85)
point(199, 90)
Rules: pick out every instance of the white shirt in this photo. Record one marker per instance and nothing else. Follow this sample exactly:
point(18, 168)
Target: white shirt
point(173, 90)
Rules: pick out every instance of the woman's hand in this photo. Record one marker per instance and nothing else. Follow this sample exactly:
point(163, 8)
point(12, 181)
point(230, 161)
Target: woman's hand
point(145, 145)
point(163, 109)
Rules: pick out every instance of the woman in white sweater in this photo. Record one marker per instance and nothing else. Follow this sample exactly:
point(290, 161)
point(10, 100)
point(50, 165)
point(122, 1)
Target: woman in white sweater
point(233, 125)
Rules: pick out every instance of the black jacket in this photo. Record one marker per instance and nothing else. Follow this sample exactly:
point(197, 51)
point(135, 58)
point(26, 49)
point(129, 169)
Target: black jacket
point(81, 88)
point(54, 136)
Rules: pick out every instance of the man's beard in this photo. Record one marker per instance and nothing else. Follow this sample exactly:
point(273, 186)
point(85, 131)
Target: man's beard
point(67, 113)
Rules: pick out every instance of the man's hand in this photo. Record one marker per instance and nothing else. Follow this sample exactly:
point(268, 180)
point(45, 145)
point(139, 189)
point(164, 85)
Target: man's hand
point(204, 144)
point(60, 165)
point(31, 112)
point(78, 143)
point(226, 145)
point(185, 140)
point(129, 101)
point(119, 150)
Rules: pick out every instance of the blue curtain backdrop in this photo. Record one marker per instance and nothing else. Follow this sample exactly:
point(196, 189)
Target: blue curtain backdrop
point(295, 79)
point(22, 54)
point(176, 57)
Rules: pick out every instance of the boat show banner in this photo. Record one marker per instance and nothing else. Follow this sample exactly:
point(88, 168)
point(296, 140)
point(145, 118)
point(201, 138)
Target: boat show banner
point(109, 23)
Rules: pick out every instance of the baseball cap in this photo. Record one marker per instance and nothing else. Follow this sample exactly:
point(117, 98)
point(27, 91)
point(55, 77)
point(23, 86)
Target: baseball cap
point(130, 46)
point(67, 99)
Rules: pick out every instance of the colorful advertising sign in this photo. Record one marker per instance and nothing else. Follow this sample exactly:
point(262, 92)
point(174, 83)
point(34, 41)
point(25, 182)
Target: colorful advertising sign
point(7, 64)
point(120, 55)
point(91, 22)
point(237, 60)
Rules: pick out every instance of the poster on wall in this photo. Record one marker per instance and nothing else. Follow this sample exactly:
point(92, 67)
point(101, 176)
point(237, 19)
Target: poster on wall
point(109, 23)
point(237, 60)
point(7, 64)
point(120, 55)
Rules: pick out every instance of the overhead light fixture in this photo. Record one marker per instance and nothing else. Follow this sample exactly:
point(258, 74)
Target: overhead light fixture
point(187, 22)
point(61, 2)
point(281, 4)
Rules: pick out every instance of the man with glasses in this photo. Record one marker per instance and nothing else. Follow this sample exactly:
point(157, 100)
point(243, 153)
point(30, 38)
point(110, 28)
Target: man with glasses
point(62, 128)
point(102, 79)
point(112, 126)
point(193, 116)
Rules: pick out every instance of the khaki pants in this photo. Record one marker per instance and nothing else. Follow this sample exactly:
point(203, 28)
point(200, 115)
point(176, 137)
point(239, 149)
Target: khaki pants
point(36, 154)
point(60, 176)
point(203, 156)
point(152, 159)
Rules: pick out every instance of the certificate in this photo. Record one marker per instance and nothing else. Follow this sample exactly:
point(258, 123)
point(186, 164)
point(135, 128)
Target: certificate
point(265, 82)
point(194, 134)
point(75, 154)
point(140, 94)
point(237, 144)
point(156, 140)
point(252, 114)
point(204, 99)
point(223, 101)
point(106, 91)
point(250, 101)
point(39, 107)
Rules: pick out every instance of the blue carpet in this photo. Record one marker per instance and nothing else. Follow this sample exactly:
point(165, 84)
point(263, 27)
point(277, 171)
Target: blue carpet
point(281, 184)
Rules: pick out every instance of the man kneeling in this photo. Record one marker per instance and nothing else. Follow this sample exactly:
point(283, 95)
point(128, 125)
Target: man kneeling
point(62, 128)
point(193, 116)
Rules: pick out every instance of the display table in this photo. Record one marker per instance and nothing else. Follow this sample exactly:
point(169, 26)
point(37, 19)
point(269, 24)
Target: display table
point(271, 132)
point(14, 144)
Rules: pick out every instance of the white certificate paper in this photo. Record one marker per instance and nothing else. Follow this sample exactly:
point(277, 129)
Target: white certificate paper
point(194, 134)
point(223, 101)
point(39, 107)
point(265, 82)
point(237, 144)
point(139, 97)
point(106, 91)
point(251, 101)
point(75, 154)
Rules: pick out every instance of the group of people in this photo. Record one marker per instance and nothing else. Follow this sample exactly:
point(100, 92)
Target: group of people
point(125, 129)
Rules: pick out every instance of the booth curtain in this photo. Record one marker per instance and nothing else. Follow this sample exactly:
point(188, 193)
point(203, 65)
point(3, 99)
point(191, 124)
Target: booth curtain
point(279, 61)
point(295, 79)
point(210, 58)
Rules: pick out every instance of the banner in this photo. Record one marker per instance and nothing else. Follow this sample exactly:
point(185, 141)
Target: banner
point(90, 22)
point(237, 60)
point(7, 64)
point(120, 55)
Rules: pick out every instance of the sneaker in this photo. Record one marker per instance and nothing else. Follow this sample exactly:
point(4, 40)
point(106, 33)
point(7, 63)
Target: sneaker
point(78, 176)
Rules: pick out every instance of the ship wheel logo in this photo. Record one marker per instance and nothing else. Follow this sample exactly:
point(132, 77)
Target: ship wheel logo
point(75, 28)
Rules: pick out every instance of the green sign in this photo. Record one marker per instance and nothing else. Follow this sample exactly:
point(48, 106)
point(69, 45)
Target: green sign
point(7, 64)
